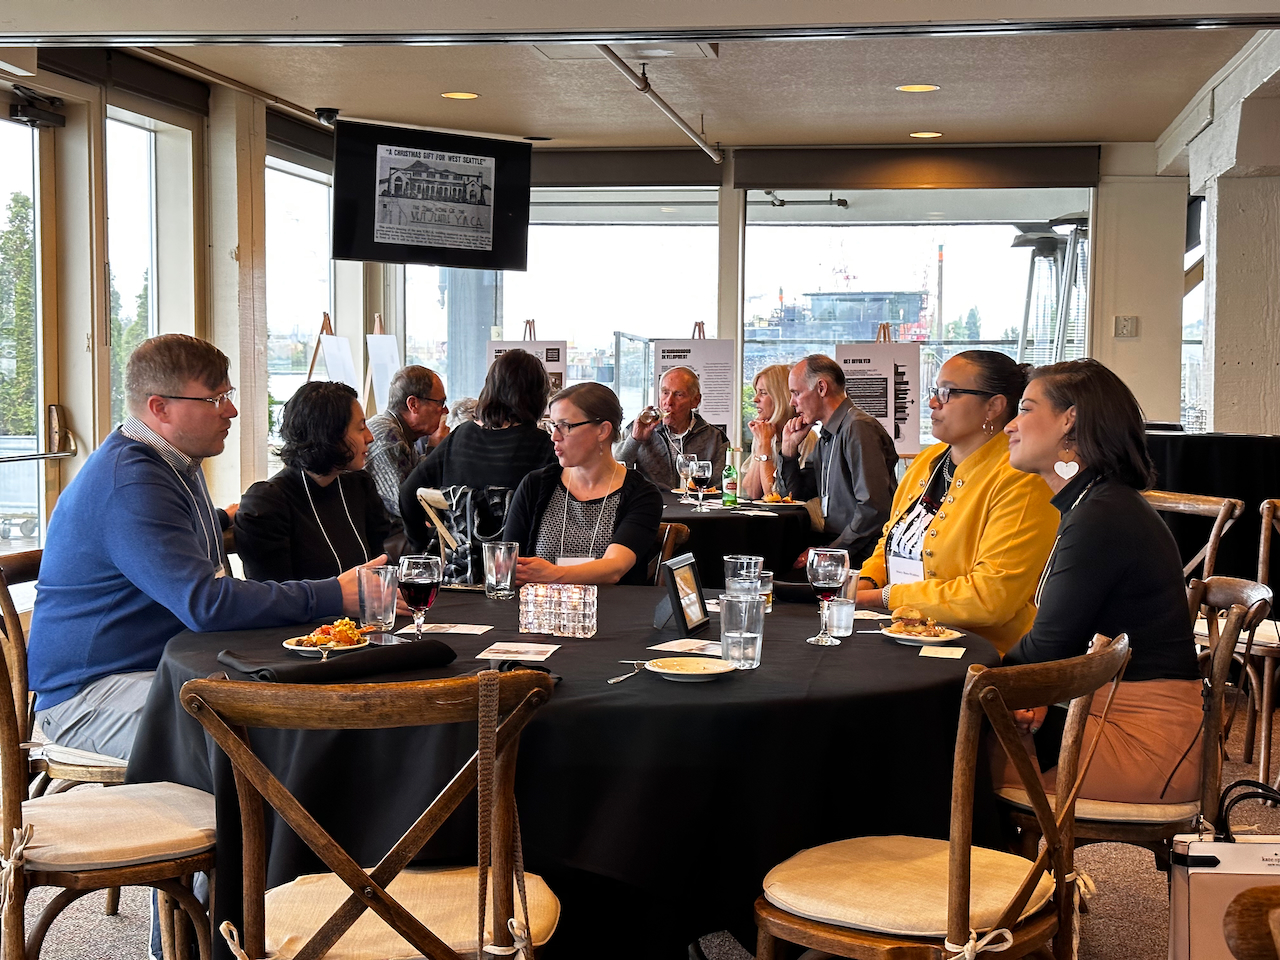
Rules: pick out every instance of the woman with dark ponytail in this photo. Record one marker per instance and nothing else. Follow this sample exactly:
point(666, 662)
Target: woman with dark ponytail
point(968, 535)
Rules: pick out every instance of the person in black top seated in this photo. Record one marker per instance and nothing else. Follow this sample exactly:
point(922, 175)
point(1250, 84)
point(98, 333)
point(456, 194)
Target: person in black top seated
point(498, 449)
point(587, 518)
point(1114, 569)
point(321, 514)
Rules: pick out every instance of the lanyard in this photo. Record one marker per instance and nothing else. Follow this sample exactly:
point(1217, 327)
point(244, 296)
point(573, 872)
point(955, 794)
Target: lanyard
point(564, 520)
point(1048, 564)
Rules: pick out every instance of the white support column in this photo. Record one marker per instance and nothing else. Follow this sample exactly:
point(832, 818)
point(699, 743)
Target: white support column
point(237, 272)
point(732, 218)
point(1242, 304)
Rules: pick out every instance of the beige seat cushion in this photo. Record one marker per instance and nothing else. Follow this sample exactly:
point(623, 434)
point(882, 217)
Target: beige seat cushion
point(118, 826)
point(443, 899)
point(57, 753)
point(896, 885)
point(1112, 810)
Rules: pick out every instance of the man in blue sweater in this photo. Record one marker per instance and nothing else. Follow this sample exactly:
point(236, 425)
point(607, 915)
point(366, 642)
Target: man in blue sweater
point(134, 554)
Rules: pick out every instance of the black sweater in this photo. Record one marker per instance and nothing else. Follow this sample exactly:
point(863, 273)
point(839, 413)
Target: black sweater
point(636, 528)
point(472, 456)
point(278, 538)
point(1115, 569)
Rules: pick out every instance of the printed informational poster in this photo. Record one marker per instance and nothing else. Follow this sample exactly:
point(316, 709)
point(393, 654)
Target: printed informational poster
point(384, 361)
point(431, 198)
point(554, 355)
point(884, 380)
point(712, 361)
point(337, 360)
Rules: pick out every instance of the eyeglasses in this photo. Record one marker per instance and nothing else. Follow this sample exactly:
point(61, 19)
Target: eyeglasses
point(219, 401)
point(564, 427)
point(442, 401)
point(944, 394)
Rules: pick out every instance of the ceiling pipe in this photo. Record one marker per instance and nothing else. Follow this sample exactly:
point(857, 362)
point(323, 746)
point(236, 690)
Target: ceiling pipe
point(641, 83)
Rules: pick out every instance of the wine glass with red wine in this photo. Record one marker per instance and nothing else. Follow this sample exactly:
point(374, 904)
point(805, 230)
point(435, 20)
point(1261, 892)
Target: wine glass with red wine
point(828, 569)
point(419, 584)
point(701, 480)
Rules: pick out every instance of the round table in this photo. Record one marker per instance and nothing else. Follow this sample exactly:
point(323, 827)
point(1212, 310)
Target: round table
point(775, 531)
point(677, 796)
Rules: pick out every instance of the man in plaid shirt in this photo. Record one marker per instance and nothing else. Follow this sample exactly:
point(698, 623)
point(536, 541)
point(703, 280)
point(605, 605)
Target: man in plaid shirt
point(415, 407)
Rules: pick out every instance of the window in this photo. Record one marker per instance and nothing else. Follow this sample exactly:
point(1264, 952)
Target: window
point(21, 482)
point(601, 263)
point(131, 247)
point(299, 278)
point(951, 269)
point(1195, 405)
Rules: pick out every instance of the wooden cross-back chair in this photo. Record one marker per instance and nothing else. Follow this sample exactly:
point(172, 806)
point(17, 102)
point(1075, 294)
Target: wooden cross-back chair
point(1224, 511)
point(911, 897)
point(437, 910)
point(138, 834)
point(671, 537)
point(1154, 825)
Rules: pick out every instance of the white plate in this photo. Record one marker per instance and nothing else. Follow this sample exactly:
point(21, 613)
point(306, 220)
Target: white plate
point(912, 641)
point(292, 644)
point(689, 669)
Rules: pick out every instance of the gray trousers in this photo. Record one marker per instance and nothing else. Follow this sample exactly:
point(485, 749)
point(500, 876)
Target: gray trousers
point(101, 718)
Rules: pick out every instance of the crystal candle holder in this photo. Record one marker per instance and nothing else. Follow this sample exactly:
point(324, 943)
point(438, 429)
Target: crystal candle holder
point(558, 609)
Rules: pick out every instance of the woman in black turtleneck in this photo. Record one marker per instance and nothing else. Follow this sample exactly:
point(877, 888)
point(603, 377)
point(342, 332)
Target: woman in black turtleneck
point(321, 514)
point(1114, 569)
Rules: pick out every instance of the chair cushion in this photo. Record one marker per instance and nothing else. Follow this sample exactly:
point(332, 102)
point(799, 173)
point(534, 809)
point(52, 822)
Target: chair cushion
point(444, 899)
point(1113, 810)
point(57, 753)
point(118, 826)
point(896, 885)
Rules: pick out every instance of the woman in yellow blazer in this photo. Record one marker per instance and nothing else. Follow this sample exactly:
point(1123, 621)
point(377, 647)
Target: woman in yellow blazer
point(968, 536)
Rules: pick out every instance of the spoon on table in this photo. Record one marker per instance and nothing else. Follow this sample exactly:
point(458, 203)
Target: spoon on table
point(637, 666)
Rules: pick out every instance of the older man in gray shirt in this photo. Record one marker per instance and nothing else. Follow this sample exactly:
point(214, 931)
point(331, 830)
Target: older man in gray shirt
point(852, 473)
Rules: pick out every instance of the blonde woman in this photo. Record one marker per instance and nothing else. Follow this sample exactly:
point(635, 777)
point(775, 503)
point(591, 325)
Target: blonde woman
point(773, 410)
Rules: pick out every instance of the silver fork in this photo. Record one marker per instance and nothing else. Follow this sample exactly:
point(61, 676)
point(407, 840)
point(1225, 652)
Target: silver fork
point(637, 666)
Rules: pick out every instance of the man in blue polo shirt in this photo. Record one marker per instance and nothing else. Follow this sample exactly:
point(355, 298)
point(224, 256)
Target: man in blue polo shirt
point(134, 554)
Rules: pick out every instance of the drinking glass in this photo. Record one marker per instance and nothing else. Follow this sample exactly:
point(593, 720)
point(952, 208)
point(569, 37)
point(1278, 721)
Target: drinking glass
point(419, 584)
point(684, 467)
point(828, 569)
point(741, 630)
point(701, 480)
point(840, 616)
point(766, 589)
point(741, 565)
point(742, 587)
point(500, 569)
point(377, 597)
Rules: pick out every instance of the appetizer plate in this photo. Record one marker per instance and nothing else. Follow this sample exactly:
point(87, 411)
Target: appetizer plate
point(689, 669)
point(308, 651)
point(911, 640)
point(693, 491)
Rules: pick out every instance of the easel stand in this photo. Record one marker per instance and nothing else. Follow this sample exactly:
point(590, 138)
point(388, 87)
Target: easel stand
point(326, 329)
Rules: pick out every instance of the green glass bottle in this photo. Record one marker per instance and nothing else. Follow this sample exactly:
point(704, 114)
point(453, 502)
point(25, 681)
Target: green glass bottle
point(729, 482)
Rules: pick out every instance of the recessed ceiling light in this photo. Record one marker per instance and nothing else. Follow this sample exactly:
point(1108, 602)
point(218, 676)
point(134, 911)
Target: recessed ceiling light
point(668, 209)
point(917, 88)
point(655, 52)
point(458, 95)
point(926, 134)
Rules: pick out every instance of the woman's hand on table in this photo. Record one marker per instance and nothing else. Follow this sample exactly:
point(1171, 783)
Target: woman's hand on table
point(1030, 721)
point(869, 598)
point(535, 570)
point(349, 581)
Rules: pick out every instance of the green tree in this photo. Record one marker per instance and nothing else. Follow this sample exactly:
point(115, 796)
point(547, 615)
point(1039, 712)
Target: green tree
point(126, 333)
point(18, 319)
point(973, 324)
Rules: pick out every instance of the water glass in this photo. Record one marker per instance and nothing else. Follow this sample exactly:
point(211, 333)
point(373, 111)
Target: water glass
point(377, 597)
point(500, 569)
point(740, 565)
point(741, 630)
point(766, 589)
point(742, 587)
point(840, 617)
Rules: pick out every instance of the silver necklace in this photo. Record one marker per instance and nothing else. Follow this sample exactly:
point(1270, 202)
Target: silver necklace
point(320, 523)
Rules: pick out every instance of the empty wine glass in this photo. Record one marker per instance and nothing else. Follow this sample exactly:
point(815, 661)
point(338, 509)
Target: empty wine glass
point(419, 584)
point(828, 569)
point(684, 467)
point(702, 480)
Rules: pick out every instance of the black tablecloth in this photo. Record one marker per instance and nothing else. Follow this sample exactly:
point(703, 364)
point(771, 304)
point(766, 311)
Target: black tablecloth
point(778, 538)
point(687, 793)
point(1222, 465)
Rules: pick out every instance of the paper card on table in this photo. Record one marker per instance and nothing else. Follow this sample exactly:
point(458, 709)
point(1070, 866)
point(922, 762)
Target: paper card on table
point(710, 648)
point(944, 653)
point(518, 651)
point(470, 629)
point(713, 606)
point(756, 513)
point(870, 615)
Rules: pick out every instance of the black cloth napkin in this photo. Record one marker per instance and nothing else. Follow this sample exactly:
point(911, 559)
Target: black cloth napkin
point(392, 658)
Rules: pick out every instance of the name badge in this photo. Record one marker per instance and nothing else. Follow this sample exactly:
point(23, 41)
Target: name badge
point(219, 572)
point(825, 500)
point(902, 570)
point(572, 561)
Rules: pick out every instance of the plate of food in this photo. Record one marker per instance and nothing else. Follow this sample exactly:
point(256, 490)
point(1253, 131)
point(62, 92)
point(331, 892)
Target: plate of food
point(913, 628)
point(342, 636)
point(772, 499)
point(689, 669)
point(693, 490)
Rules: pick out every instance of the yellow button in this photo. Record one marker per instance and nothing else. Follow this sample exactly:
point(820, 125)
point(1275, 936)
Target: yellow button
point(951, 499)
point(933, 533)
point(942, 515)
point(929, 573)
point(928, 553)
point(959, 483)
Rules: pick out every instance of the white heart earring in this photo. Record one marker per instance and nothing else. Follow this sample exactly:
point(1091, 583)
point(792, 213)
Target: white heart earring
point(1066, 469)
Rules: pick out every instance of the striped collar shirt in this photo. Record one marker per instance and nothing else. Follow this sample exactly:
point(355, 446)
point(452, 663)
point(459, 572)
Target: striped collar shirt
point(135, 429)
